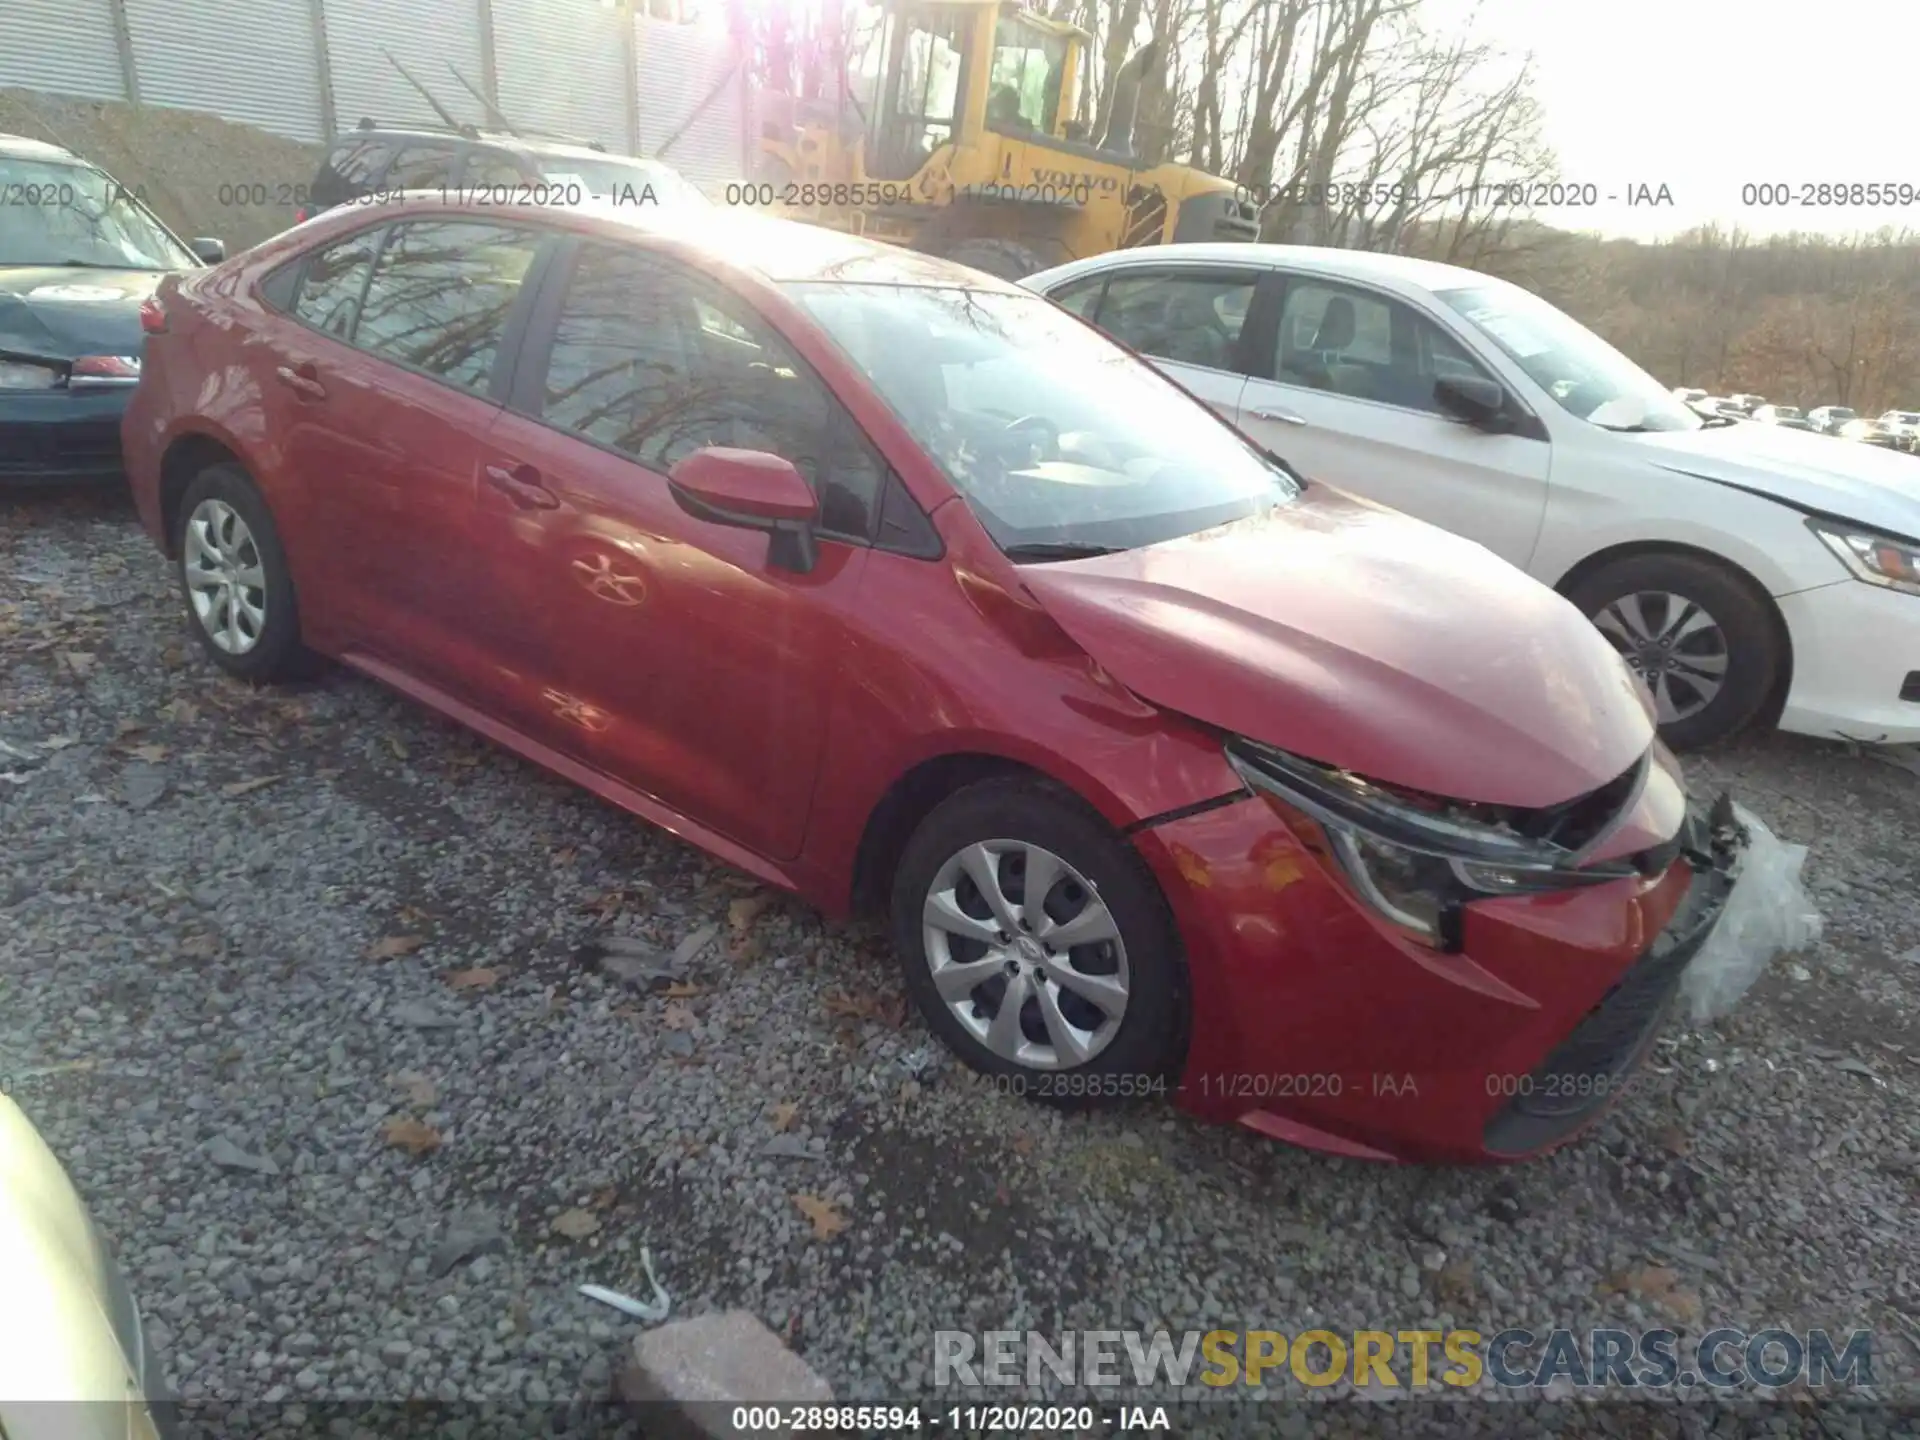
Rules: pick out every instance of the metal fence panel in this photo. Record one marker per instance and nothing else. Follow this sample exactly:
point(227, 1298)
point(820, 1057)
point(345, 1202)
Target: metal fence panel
point(254, 61)
point(65, 46)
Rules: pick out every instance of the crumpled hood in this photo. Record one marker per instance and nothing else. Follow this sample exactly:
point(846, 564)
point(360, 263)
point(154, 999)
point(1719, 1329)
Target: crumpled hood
point(1874, 486)
point(62, 312)
point(1362, 638)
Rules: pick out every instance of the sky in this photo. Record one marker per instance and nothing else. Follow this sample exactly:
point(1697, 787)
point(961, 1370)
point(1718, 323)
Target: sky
point(1709, 96)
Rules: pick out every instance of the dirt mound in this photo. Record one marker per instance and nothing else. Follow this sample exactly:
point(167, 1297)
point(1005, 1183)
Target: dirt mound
point(201, 174)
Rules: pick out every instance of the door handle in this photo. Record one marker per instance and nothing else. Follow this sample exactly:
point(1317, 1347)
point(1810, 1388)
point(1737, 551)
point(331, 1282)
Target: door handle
point(521, 484)
point(1284, 417)
point(304, 381)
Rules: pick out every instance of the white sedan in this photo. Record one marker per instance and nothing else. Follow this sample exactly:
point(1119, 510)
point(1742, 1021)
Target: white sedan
point(1746, 572)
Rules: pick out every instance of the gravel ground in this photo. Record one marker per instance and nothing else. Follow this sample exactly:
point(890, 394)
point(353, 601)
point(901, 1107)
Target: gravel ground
point(306, 988)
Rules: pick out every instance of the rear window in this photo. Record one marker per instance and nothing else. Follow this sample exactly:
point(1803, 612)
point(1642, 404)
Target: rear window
point(351, 169)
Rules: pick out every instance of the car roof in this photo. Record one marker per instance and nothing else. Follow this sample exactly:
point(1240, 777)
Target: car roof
point(776, 250)
point(24, 147)
point(1404, 270)
point(497, 139)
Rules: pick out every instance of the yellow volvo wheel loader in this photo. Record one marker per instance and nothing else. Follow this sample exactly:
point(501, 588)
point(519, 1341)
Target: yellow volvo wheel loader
point(947, 126)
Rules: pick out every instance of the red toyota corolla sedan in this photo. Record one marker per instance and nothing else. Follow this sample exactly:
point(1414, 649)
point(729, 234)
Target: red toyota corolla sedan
point(886, 581)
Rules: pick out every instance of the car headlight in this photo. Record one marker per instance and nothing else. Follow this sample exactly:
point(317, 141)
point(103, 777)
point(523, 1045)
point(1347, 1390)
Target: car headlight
point(19, 375)
point(1415, 858)
point(1874, 558)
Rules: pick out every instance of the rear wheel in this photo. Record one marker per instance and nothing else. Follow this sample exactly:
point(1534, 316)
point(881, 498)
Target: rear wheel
point(1695, 632)
point(1038, 947)
point(1006, 259)
point(235, 580)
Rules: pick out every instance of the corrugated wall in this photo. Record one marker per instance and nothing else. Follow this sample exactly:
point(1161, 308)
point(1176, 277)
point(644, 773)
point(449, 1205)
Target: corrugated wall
point(65, 46)
point(424, 36)
point(562, 68)
point(558, 66)
point(265, 53)
point(680, 69)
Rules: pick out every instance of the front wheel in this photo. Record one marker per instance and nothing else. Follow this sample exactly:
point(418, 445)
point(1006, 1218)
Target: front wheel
point(1696, 633)
point(1038, 947)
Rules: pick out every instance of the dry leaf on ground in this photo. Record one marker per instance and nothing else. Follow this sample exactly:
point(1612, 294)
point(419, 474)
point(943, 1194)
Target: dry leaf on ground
point(680, 1017)
point(477, 979)
point(393, 946)
point(403, 1132)
point(576, 1224)
point(152, 754)
point(681, 990)
point(247, 787)
point(783, 1114)
point(743, 912)
point(398, 746)
point(828, 1221)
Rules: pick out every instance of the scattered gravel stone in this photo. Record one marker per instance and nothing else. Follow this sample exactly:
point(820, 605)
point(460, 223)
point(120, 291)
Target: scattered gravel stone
point(229, 1156)
point(1778, 1188)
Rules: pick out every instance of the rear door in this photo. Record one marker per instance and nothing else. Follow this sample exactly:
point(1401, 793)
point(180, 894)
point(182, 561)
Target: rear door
point(1342, 387)
point(1192, 321)
point(680, 661)
point(391, 382)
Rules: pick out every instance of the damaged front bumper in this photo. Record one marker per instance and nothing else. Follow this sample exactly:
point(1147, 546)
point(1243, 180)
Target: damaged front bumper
point(1597, 1060)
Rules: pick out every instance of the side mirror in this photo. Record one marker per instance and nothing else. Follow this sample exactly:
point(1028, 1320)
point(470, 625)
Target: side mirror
point(752, 490)
point(1474, 399)
point(209, 250)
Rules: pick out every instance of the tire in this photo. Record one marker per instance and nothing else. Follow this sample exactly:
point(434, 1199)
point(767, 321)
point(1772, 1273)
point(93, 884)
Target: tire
point(1005, 259)
point(1737, 638)
point(257, 638)
point(1111, 1052)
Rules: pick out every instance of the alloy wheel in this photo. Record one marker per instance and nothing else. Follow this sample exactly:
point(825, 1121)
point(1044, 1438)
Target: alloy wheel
point(1671, 643)
point(226, 581)
point(1026, 954)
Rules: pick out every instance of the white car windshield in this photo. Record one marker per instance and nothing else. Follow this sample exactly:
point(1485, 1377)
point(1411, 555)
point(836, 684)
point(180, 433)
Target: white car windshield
point(1583, 373)
point(1058, 438)
point(58, 214)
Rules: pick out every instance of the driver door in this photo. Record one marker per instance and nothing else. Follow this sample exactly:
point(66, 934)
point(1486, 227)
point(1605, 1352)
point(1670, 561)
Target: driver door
point(1343, 389)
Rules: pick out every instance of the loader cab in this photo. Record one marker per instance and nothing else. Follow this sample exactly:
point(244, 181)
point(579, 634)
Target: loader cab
point(930, 73)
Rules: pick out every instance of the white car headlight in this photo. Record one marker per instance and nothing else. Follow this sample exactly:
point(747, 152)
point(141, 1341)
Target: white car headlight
point(1877, 559)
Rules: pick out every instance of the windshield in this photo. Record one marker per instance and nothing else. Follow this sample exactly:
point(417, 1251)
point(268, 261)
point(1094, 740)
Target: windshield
point(55, 214)
point(1055, 435)
point(1587, 376)
point(627, 182)
point(1787, 412)
point(1028, 66)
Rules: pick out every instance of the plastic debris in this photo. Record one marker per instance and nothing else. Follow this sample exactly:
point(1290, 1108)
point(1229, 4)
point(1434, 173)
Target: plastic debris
point(1767, 914)
point(626, 1304)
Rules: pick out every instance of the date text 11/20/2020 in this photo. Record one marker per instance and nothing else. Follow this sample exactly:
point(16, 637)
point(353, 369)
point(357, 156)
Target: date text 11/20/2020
point(970, 1420)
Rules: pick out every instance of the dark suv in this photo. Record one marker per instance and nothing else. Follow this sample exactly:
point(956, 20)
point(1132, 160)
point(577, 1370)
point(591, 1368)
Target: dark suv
point(378, 159)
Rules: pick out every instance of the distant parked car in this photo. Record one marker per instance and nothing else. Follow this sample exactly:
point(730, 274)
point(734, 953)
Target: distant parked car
point(1744, 571)
point(78, 255)
point(1873, 432)
point(1827, 419)
point(1906, 425)
point(1788, 416)
point(494, 167)
point(1747, 403)
point(1689, 394)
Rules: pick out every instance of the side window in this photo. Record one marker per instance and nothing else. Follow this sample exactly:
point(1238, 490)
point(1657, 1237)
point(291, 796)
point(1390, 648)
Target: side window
point(1081, 297)
point(420, 167)
point(1195, 319)
point(490, 167)
point(1365, 345)
point(335, 279)
point(440, 297)
point(652, 361)
point(350, 169)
